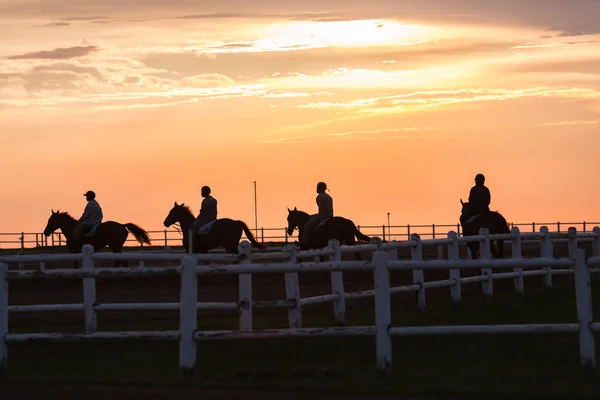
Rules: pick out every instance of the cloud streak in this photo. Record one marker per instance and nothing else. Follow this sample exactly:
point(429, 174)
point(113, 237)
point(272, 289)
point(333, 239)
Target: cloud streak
point(422, 100)
point(57, 54)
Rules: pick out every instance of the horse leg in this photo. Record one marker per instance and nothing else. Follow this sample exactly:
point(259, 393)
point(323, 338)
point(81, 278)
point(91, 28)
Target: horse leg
point(118, 249)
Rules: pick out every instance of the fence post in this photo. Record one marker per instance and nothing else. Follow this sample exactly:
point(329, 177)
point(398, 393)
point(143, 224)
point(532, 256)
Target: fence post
point(188, 316)
point(547, 251)
point(572, 233)
point(453, 255)
point(337, 285)
point(382, 312)
point(392, 253)
point(596, 250)
point(292, 291)
point(587, 352)
point(517, 254)
point(245, 288)
point(418, 276)
point(89, 289)
point(3, 318)
point(486, 254)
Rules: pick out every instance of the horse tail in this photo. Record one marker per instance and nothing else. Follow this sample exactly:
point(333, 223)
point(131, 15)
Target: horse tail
point(360, 235)
point(140, 234)
point(250, 236)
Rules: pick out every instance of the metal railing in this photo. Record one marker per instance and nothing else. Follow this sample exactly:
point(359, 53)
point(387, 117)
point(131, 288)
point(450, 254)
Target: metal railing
point(172, 237)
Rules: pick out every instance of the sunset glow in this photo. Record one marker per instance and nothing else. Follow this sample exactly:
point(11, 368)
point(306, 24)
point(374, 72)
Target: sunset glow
point(395, 106)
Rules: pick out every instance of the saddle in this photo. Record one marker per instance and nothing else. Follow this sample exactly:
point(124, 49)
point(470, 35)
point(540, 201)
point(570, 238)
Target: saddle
point(320, 226)
point(473, 218)
point(204, 229)
point(91, 231)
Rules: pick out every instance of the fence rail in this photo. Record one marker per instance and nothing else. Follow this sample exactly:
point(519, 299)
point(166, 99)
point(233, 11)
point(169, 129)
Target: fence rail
point(172, 237)
point(384, 260)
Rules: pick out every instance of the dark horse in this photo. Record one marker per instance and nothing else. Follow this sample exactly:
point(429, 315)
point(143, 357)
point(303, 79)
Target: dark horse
point(110, 233)
point(225, 232)
point(338, 228)
point(492, 220)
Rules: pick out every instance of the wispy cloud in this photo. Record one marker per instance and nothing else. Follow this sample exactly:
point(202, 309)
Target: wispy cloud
point(380, 131)
point(573, 122)
point(432, 99)
point(56, 54)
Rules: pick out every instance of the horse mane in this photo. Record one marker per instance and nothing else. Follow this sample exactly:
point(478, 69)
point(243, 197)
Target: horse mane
point(186, 208)
point(65, 214)
point(300, 212)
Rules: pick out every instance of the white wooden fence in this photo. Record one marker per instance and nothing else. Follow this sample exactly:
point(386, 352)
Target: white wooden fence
point(384, 260)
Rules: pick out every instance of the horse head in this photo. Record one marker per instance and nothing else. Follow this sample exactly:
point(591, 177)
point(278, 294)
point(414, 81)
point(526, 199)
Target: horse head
point(293, 221)
point(53, 223)
point(175, 215)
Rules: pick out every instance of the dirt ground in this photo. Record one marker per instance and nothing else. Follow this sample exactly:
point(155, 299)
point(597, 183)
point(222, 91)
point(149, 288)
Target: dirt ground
point(67, 392)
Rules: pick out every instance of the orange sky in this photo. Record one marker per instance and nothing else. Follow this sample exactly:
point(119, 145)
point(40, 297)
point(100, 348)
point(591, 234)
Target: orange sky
point(396, 107)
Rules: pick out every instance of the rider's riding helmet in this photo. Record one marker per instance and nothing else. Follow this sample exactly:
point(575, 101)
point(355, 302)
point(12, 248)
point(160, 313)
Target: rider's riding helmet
point(205, 190)
point(321, 187)
point(479, 178)
point(90, 195)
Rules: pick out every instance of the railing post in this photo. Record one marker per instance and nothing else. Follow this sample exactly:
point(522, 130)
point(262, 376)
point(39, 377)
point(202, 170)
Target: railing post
point(383, 231)
point(166, 240)
point(486, 254)
point(245, 288)
point(547, 251)
point(292, 291)
point(392, 253)
point(382, 312)
point(453, 255)
point(188, 315)
point(596, 247)
point(418, 276)
point(89, 289)
point(587, 352)
point(337, 285)
point(572, 233)
point(3, 318)
point(516, 254)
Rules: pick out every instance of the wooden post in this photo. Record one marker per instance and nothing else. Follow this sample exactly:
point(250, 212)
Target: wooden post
point(587, 352)
point(517, 254)
point(292, 291)
point(453, 255)
point(188, 317)
point(382, 312)
point(89, 289)
point(547, 251)
point(245, 288)
point(3, 317)
point(418, 275)
point(337, 285)
point(486, 254)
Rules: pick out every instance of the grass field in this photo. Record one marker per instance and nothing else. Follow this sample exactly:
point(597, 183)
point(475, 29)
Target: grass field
point(528, 366)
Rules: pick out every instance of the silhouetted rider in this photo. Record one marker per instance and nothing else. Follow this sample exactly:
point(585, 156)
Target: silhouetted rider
point(325, 204)
point(91, 217)
point(479, 197)
point(208, 210)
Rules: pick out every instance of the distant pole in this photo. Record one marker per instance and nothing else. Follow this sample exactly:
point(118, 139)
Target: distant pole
point(389, 237)
point(255, 211)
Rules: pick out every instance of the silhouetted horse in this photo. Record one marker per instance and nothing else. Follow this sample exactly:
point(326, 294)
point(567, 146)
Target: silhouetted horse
point(224, 231)
point(338, 228)
point(109, 233)
point(492, 220)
